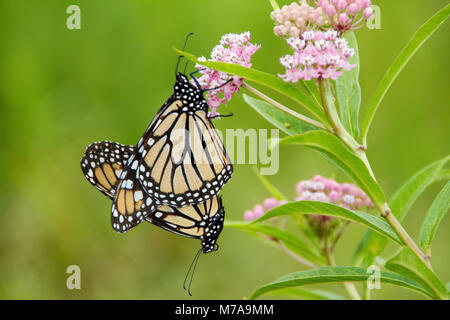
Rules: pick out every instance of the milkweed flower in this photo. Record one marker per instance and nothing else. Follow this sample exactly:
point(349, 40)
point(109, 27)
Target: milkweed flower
point(322, 189)
point(233, 48)
point(345, 15)
point(292, 20)
point(260, 209)
point(317, 54)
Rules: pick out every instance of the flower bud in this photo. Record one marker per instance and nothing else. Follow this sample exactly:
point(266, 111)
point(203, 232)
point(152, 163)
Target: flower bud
point(248, 215)
point(352, 9)
point(329, 10)
point(270, 203)
point(367, 13)
point(341, 4)
point(343, 19)
point(258, 211)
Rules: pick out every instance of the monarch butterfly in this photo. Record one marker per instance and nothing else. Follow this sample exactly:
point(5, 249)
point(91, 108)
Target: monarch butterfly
point(108, 166)
point(182, 159)
point(103, 165)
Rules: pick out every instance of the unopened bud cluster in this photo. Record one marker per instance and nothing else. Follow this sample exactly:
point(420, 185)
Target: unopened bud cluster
point(291, 20)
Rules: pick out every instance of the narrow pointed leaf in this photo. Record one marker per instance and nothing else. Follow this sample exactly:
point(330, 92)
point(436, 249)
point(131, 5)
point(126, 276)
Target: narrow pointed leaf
point(348, 91)
point(332, 210)
point(278, 118)
point(335, 274)
point(438, 210)
point(407, 263)
point(418, 39)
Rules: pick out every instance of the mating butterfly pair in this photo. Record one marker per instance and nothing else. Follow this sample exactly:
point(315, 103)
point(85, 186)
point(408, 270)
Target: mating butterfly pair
point(173, 175)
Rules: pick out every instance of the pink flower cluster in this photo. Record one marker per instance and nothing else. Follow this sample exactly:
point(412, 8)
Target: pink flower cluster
point(343, 14)
point(317, 54)
point(233, 48)
point(291, 20)
point(259, 210)
point(322, 189)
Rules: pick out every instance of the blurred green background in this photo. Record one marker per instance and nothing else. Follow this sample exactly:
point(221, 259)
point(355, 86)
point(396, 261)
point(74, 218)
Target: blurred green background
point(62, 89)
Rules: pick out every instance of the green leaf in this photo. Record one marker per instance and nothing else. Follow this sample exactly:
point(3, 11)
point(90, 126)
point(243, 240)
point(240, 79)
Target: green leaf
point(333, 148)
point(372, 244)
point(294, 243)
point(270, 187)
point(438, 210)
point(405, 197)
point(348, 91)
point(328, 209)
point(307, 294)
point(265, 79)
point(283, 121)
point(444, 174)
point(407, 263)
point(311, 87)
point(418, 39)
point(334, 274)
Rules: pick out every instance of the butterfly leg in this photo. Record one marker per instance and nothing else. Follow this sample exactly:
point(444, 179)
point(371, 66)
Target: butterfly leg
point(221, 116)
point(218, 87)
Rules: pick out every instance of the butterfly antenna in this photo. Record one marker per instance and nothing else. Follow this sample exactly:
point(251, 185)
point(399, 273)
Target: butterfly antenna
point(192, 266)
point(185, 66)
point(181, 56)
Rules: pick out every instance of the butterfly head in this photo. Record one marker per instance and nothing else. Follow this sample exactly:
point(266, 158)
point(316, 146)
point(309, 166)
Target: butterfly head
point(189, 94)
point(212, 232)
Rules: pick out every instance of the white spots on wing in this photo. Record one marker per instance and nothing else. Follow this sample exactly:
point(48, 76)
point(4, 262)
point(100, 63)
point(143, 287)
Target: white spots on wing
point(129, 184)
point(138, 195)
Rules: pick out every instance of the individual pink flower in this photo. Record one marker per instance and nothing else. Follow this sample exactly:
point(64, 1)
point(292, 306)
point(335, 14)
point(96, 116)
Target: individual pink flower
point(233, 48)
point(345, 15)
point(317, 54)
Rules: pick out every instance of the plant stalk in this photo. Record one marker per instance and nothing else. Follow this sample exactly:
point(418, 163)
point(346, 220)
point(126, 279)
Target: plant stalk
point(283, 108)
point(296, 257)
point(349, 286)
point(360, 152)
point(274, 4)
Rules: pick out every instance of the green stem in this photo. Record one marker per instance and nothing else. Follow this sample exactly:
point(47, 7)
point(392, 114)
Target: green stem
point(274, 4)
point(338, 235)
point(366, 293)
point(401, 232)
point(296, 257)
point(284, 108)
point(349, 286)
point(333, 117)
point(359, 151)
